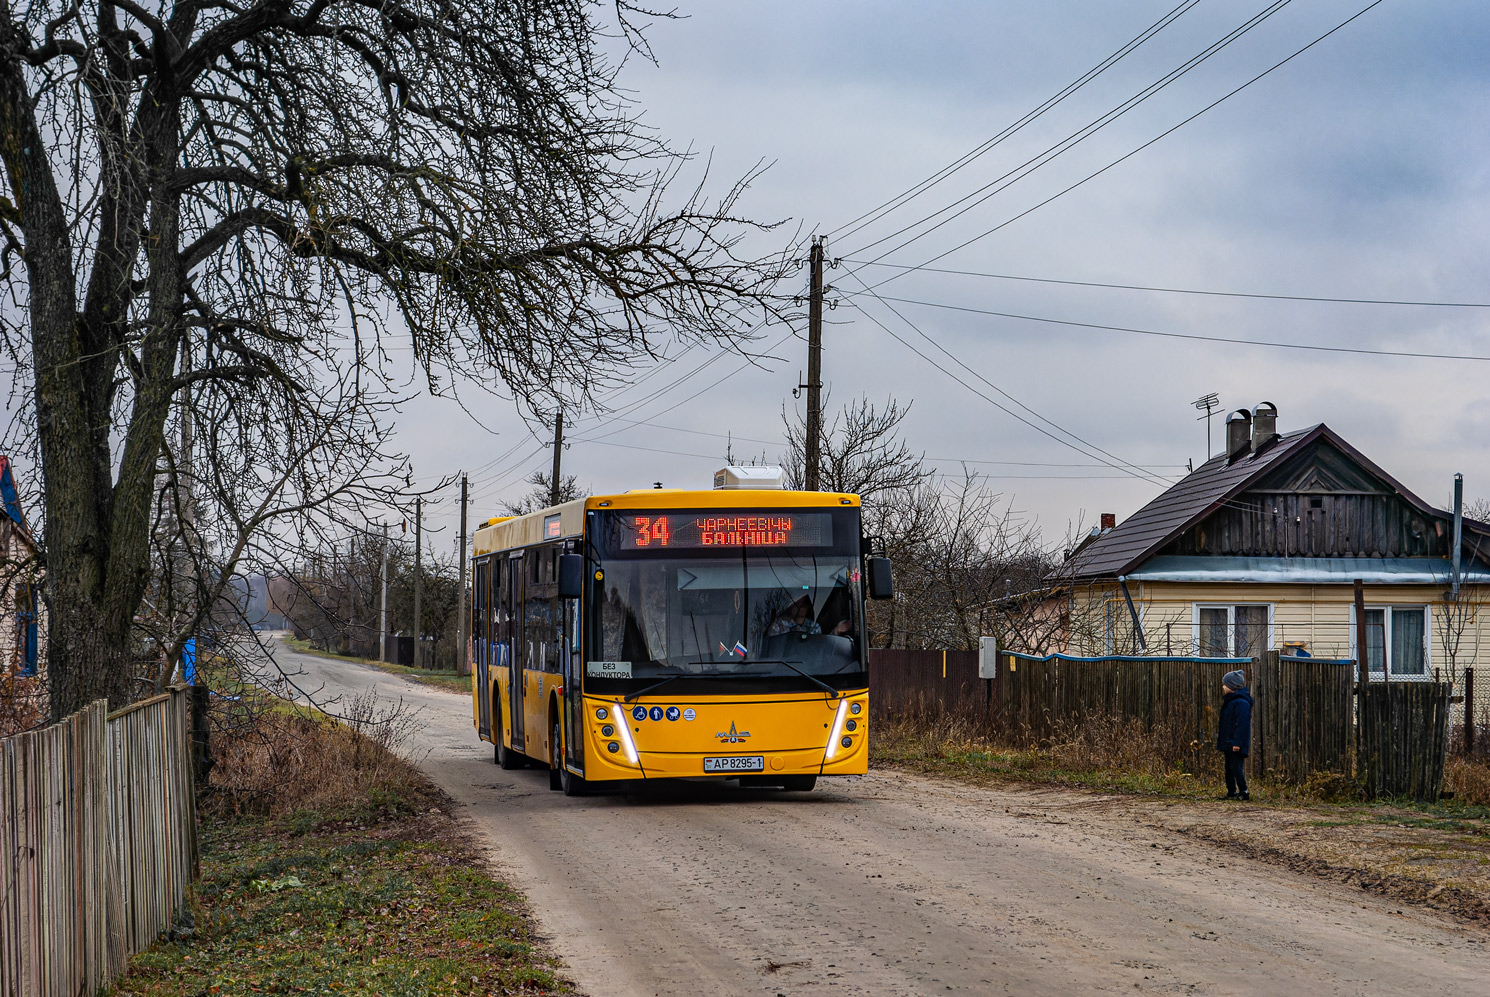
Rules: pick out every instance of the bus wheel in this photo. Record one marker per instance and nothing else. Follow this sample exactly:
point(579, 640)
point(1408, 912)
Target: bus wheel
point(504, 756)
point(799, 783)
point(556, 760)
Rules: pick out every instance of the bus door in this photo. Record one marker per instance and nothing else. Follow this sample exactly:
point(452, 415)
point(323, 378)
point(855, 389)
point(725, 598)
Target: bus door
point(481, 625)
point(515, 649)
point(572, 664)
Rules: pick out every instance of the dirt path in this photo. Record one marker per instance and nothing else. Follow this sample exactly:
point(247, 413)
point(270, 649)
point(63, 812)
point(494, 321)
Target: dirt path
point(895, 884)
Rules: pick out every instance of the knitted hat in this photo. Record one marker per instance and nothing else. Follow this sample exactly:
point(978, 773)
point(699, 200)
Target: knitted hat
point(1234, 680)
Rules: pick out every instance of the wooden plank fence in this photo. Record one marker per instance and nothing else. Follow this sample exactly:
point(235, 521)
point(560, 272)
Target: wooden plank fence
point(927, 683)
point(97, 844)
point(1303, 716)
point(1302, 722)
point(1404, 729)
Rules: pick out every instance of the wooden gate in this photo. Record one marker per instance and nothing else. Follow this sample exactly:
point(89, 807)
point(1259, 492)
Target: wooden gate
point(1404, 738)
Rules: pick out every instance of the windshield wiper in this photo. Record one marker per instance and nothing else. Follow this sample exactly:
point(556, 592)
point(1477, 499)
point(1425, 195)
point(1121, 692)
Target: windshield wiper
point(805, 674)
point(655, 685)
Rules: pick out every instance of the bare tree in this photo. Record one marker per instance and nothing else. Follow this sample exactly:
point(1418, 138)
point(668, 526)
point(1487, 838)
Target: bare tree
point(538, 498)
point(243, 211)
point(959, 550)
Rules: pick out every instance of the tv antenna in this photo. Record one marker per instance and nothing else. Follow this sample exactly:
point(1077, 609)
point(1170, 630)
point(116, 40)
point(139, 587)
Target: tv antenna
point(1208, 404)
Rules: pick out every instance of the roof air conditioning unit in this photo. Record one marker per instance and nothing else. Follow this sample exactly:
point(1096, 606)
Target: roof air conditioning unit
point(753, 478)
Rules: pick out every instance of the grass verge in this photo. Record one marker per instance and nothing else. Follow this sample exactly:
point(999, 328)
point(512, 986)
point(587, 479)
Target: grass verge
point(1432, 855)
point(448, 681)
point(359, 884)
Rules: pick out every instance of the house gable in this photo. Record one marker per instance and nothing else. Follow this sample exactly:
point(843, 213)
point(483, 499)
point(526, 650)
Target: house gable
point(1321, 502)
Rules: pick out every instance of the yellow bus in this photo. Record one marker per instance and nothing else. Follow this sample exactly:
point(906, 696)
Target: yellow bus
point(664, 634)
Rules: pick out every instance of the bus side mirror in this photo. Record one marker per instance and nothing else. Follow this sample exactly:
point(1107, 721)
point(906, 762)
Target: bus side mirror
point(881, 582)
point(571, 576)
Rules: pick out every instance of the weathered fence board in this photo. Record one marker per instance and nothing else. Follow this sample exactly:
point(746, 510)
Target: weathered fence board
point(1404, 738)
point(927, 683)
point(97, 844)
point(1302, 722)
point(1302, 717)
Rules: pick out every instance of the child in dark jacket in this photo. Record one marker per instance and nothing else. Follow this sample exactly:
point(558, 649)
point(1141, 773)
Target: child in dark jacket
point(1234, 735)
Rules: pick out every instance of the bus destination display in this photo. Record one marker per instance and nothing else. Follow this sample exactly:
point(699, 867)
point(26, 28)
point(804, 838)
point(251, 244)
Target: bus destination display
point(692, 531)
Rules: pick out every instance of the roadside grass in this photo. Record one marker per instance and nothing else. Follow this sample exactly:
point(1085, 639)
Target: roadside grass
point(1435, 855)
point(1117, 756)
point(330, 865)
point(439, 679)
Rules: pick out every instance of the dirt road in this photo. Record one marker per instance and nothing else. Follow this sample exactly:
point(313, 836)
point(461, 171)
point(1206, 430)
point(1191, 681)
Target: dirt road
point(892, 884)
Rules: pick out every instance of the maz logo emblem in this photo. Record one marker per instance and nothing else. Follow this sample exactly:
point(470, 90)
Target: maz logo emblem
point(732, 736)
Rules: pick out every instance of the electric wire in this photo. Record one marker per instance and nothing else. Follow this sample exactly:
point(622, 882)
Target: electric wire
point(1269, 344)
point(1178, 290)
point(854, 225)
point(1116, 462)
point(1052, 152)
point(1129, 155)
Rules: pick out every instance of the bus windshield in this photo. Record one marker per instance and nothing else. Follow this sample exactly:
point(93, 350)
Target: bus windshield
point(755, 613)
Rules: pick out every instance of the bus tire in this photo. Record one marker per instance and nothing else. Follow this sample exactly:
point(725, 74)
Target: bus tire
point(556, 759)
point(799, 783)
point(504, 756)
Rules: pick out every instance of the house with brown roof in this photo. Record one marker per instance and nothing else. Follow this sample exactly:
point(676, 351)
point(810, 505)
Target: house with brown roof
point(1260, 548)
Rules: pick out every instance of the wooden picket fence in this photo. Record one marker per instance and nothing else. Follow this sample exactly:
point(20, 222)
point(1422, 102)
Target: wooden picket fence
point(1302, 722)
point(1404, 730)
point(97, 844)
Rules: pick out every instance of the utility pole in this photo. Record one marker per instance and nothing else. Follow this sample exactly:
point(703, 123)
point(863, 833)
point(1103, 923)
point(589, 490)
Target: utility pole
point(814, 383)
point(418, 573)
point(462, 662)
point(383, 611)
point(553, 484)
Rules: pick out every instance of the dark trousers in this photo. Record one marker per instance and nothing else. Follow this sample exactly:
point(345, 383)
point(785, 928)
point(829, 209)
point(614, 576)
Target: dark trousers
point(1236, 779)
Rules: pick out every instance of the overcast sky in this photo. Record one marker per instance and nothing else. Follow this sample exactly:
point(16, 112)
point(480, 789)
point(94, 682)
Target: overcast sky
point(1358, 170)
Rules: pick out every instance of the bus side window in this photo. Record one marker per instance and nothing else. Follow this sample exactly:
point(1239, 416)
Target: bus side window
point(498, 579)
point(478, 608)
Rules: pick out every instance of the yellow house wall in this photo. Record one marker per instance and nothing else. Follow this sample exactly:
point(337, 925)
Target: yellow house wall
point(1321, 616)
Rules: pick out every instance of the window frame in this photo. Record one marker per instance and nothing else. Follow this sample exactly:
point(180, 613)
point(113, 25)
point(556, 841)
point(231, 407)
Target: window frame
point(1389, 609)
point(1231, 608)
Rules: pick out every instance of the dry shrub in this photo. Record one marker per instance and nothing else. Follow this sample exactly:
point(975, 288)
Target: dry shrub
point(23, 703)
point(1123, 744)
point(273, 758)
point(1104, 745)
point(1468, 779)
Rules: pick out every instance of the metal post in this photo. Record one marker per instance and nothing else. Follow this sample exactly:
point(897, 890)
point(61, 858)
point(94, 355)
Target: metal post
point(418, 574)
point(1363, 665)
point(462, 659)
point(1458, 530)
point(553, 484)
point(814, 384)
point(383, 610)
point(1468, 711)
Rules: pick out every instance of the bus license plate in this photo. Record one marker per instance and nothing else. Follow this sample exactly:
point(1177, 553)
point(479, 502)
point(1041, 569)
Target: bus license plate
point(736, 763)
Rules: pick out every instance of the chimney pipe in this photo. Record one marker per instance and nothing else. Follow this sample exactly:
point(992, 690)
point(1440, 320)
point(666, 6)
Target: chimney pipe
point(1264, 425)
point(1109, 521)
point(1238, 435)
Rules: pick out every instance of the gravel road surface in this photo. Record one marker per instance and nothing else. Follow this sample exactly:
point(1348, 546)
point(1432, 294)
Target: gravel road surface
point(894, 884)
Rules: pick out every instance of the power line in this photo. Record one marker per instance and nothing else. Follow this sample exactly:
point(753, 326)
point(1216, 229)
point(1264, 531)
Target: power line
point(1052, 152)
point(1178, 290)
point(1271, 344)
point(1126, 156)
point(906, 196)
point(1132, 469)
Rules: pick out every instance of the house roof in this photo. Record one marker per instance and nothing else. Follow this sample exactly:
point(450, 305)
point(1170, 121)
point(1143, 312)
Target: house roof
point(1201, 493)
point(1305, 570)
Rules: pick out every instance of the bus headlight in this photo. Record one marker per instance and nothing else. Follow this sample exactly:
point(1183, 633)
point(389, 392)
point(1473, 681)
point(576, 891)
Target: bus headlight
point(855, 708)
point(602, 713)
point(628, 746)
point(837, 730)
